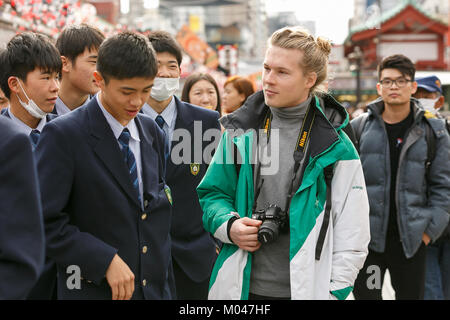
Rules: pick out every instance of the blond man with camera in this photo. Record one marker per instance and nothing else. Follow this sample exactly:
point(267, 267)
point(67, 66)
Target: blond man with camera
point(285, 191)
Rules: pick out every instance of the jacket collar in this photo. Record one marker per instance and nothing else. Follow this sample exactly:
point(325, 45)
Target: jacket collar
point(376, 108)
point(251, 115)
point(330, 117)
point(184, 116)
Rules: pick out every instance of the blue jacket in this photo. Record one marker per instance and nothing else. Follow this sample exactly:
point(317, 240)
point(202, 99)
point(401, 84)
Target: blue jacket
point(193, 247)
point(21, 224)
point(91, 210)
point(417, 213)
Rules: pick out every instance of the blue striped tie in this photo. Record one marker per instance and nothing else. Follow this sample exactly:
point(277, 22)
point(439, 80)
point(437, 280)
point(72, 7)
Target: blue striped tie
point(34, 138)
point(160, 121)
point(129, 159)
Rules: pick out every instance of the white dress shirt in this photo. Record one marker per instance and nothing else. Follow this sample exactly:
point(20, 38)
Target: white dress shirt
point(169, 115)
point(134, 144)
point(25, 128)
point(61, 107)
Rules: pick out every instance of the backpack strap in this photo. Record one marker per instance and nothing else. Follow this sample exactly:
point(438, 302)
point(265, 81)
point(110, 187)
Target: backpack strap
point(358, 128)
point(328, 173)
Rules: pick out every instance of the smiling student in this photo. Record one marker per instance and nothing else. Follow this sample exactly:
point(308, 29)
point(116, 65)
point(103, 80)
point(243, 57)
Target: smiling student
point(107, 210)
point(78, 46)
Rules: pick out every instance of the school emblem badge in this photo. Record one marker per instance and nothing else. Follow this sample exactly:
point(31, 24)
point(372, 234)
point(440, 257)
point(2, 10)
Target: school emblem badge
point(195, 168)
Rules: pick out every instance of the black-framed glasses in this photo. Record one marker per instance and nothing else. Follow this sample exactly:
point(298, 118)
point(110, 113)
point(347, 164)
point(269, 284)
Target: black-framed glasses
point(400, 82)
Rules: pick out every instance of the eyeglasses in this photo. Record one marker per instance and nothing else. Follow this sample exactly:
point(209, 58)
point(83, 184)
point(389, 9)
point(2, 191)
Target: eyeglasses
point(400, 82)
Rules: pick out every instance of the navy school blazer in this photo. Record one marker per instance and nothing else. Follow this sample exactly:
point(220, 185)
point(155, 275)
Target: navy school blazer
point(21, 223)
point(193, 248)
point(43, 290)
point(91, 210)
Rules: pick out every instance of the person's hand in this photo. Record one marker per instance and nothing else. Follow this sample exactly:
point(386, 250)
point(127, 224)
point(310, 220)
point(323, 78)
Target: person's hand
point(244, 233)
point(426, 239)
point(121, 279)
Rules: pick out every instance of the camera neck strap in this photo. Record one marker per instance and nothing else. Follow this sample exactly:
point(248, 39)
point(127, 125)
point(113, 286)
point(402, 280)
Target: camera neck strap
point(300, 148)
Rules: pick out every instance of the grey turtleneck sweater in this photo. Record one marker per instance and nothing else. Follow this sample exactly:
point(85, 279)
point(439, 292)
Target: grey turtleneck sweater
point(270, 265)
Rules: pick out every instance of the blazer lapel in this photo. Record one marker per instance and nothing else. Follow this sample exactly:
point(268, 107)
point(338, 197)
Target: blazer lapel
point(150, 174)
point(184, 120)
point(107, 149)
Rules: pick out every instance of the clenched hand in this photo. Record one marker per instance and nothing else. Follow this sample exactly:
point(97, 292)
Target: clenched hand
point(121, 279)
point(244, 233)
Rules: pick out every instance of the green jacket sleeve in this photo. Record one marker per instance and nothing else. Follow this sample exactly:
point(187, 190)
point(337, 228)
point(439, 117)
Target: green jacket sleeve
point(217, 190)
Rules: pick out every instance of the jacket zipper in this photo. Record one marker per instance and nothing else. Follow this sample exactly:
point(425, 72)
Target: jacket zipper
point(397, 178)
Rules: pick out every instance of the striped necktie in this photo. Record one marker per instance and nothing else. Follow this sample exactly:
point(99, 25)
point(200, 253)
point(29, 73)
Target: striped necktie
point(124, 140)
point(34, 138)
point(160, 121)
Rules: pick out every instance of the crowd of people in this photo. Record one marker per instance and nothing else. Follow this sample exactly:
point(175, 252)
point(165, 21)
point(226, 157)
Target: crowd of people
point(224, 193)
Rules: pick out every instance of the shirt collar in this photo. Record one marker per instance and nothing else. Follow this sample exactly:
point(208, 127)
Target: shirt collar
point(61, 107)
point(115, 125)
point(167, 114)
point(25, 128)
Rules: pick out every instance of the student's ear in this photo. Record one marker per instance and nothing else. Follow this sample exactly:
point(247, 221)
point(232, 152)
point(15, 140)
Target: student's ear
point(99, 79)
point(13, 85)
point(66, 64)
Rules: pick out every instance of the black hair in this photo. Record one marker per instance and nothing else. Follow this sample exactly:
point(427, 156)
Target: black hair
point(399, 62)
point(23, 54)
point(126, 55)
point(74, 39)
point(163, 41)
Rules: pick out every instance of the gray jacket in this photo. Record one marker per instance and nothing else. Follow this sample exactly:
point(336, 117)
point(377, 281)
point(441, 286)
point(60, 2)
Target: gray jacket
point(417, 213)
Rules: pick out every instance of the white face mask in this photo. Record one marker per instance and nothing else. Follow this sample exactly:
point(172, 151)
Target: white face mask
point(31, 106)
point(428, 104)
point(164, 88)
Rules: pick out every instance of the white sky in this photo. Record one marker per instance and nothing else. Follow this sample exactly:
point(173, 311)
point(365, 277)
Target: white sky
point(331, 16)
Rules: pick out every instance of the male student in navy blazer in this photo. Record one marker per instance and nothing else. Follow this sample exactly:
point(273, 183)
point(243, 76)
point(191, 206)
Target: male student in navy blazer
point(193, 248)
point(78, 46)
point(106, 206)
point(21, 228)
point(29, 78)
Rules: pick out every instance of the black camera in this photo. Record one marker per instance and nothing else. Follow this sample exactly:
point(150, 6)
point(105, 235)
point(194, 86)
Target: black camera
point(274, 220)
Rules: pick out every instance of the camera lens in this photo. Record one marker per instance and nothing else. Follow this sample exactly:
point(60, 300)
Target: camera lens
point(268, 232)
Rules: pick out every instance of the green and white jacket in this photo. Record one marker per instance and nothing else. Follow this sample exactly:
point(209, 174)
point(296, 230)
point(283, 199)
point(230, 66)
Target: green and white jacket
point(223, 192)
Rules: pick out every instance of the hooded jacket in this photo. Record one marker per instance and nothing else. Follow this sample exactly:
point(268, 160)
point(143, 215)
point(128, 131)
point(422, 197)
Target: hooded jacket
point(226, 192)
point(422, 206)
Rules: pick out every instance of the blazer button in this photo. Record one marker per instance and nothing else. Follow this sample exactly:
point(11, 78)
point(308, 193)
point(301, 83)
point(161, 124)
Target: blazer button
point(144, 282)
point(143, 216)
point(144, 249)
